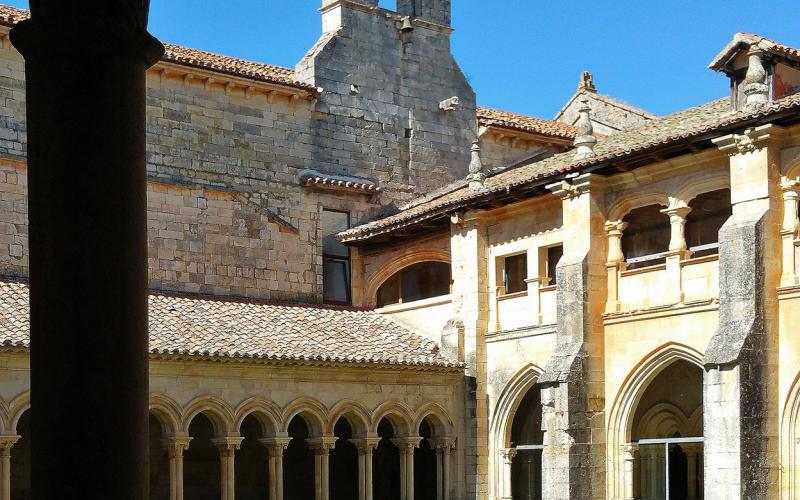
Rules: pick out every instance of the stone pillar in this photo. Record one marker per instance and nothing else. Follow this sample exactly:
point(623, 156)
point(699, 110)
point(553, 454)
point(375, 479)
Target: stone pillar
point(629, 456)
point(85, 66)
point(227, 458)
point(470, 254)
point(790, 228)
point(615, 262)
point(365, 447)
point(573, 459)
point(677, 213)
point(321, 446)
point(175, 446)
point(692, 454)
point(444, 447)
point(275, 448)
point(507, 455)
point(6, 443)
point(740, 398)
point(407, 445)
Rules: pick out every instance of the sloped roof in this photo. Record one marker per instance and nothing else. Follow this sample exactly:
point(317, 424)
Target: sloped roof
point(488, 117)
point(207, 327)
point(9, 16)
point(694, 122)
point(741, 40)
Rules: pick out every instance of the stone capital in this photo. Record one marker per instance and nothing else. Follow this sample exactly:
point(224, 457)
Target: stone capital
point(629, 450)
point(227, 445)
point(176, 445)
point(275, 445)
point(680, 211)
point(321, 445)
point(790, 187)
point(443, 443)
point(508, 454)
point(365, 445)
point(6, 443)
point(615, 227)
point(408, 443)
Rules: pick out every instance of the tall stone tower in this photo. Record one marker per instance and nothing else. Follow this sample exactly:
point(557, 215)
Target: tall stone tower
point(395, 108)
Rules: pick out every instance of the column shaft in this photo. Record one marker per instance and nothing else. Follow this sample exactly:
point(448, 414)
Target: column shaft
point(439, 471)
point(85, 112)
point(368, 475)
point(446, 478)
point(410, 474)
point(5, 470)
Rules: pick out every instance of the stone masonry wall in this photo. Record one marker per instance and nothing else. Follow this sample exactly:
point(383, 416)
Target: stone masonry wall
point(226, 212)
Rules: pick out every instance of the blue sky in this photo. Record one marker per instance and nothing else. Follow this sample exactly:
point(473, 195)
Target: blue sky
point(520, 55)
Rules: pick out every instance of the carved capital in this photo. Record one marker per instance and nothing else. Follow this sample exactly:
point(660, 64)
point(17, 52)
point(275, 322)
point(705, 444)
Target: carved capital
point(444, 443)
point(176, 445)
point(407, 444)
point(615, 227)
point(508, 454)
point(629, 451)
point(574, 187)
point(6, 443)
point(275, 445)
point(366, 445)
point(227, 445)
point(321, 445)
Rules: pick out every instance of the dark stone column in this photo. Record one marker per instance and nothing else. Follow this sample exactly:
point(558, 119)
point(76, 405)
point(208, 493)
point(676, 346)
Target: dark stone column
point(85, 65)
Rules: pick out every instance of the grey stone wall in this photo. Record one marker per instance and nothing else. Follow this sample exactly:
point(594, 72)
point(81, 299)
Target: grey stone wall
point(226, 212)
point(608, 115)
point(382, 93)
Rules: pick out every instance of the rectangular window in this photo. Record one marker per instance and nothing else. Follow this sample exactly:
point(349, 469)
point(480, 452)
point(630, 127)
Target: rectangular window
point(554, 254)
point(335, 258)
point(515, 273)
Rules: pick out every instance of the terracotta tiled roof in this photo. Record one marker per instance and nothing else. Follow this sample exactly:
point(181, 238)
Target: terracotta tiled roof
point(186, 326)
point(488, 117)
point(9, 16)
point(741, 40)
point(715, 116)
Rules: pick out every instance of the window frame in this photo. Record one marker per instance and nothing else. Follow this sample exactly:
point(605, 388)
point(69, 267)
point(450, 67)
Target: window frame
point(338, 259)
point(505, 275)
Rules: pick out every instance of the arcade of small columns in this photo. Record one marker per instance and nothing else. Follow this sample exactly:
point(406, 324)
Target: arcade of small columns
point(177, 439)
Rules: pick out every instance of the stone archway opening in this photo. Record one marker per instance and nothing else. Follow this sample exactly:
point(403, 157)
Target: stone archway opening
point(201, 476)
point(343, 463)
point(425, 467)
point(21, 460)
point(252, 462)
point(298, 462)
point(159, 460)
point(525, 454)
point(386, 464)
point(667, 431)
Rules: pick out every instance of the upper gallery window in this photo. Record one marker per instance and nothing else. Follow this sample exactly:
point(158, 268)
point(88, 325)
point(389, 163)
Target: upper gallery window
point(554, 254)
point(709, 213)
point(646, 239)
point(515, 271)
point(335, 258)
point(415, 282)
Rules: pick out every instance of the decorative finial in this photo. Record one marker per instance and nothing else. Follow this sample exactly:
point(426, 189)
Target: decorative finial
point(586, 82)
point(476, 175)
point(755, 88)
point(584, 140)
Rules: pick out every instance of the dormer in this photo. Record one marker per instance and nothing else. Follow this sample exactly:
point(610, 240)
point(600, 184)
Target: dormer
point(760, 70)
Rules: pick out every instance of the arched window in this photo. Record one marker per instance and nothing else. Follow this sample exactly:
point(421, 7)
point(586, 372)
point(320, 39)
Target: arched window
point(415, 282)
point(646, 238)
point(528, 439)
point(709, 212)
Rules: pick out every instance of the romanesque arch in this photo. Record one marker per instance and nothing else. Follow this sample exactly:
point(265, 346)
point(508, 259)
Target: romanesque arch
point(314, 414)
point(625, 426)
point(167, 411)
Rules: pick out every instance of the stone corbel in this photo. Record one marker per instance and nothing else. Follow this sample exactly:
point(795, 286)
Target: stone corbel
point(750, 140)
point(573, 187)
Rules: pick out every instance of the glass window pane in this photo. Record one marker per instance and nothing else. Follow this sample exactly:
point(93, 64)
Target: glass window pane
point(516, 268)
point(336, 280)
point(389, 291)
point(331, 223)
point(416, 282)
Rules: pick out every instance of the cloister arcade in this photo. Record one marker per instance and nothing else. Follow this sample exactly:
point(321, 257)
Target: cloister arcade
point(209, 451)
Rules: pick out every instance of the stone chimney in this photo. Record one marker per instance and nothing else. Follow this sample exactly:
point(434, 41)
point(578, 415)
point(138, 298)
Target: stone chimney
point(584, 140)
point(755, 86)
point(435, 11)
point(476, 175)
